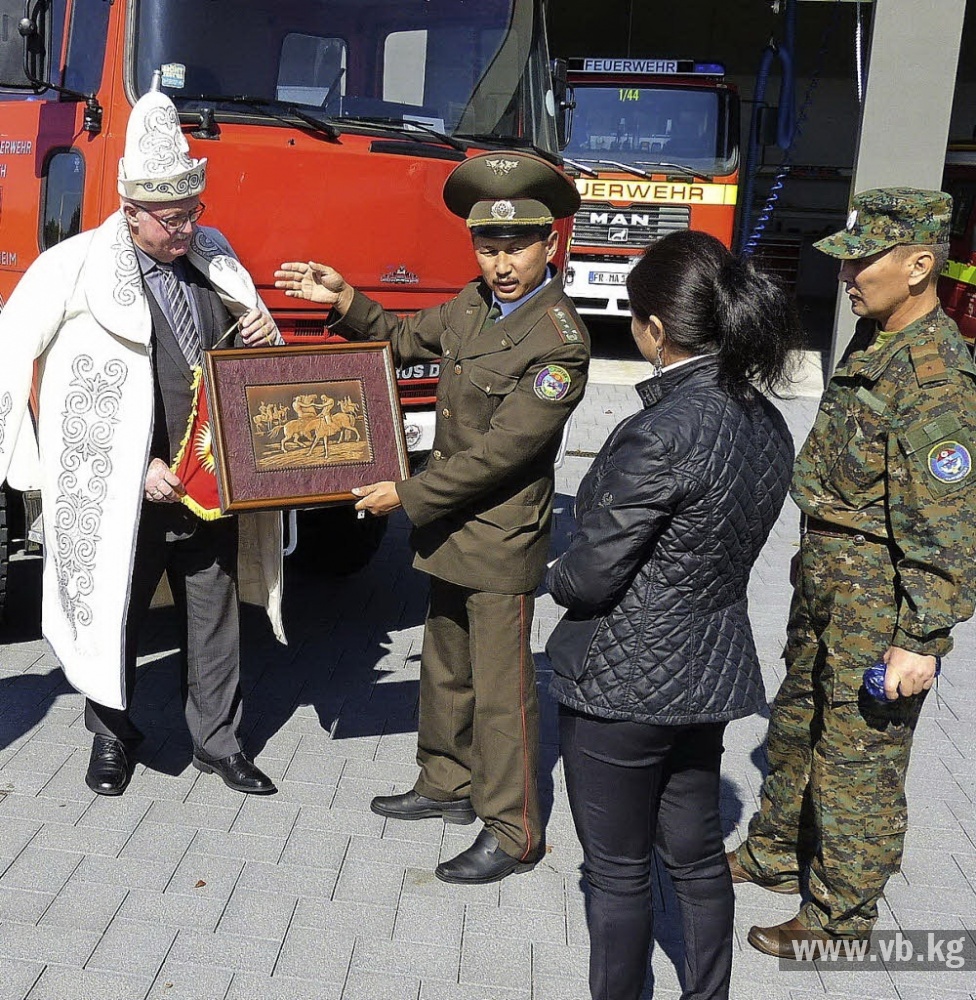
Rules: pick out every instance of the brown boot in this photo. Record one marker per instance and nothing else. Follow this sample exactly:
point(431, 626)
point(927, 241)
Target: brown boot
point(739, 874)
point(781, 940)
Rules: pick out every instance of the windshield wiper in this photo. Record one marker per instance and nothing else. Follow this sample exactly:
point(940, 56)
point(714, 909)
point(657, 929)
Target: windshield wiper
point(403, 125)
point(579, 166)
point(264, 105)
point(625, 167)
point(509, 142)
point(690, 171)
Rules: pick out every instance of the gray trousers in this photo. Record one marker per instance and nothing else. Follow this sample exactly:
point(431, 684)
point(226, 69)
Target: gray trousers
point(202, 570)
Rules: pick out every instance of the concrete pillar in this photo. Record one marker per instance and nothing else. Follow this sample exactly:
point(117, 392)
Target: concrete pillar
point(912, 61)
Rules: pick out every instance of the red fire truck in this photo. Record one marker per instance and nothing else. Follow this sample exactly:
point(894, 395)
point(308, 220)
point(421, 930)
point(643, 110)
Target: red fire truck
point(330, 126)
point(656, 145)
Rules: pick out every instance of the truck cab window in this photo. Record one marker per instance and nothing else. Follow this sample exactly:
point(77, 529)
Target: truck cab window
point(312, 71)
point(63, 183)
point(480, 69)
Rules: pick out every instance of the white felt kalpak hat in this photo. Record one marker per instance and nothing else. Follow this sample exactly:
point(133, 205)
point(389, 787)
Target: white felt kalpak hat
point(156, 164)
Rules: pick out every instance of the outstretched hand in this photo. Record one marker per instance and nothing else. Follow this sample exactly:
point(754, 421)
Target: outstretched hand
point(314, 282)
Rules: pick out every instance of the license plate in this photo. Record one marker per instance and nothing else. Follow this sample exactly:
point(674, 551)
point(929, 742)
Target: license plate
point(430, 370)
point(607, 278)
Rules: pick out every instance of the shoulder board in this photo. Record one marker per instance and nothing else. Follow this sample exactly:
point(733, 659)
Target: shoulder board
point(565, 327)
point(930, 368)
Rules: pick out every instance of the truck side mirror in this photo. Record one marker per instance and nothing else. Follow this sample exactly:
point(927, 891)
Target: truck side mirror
point(25, 40)
point(565, 101)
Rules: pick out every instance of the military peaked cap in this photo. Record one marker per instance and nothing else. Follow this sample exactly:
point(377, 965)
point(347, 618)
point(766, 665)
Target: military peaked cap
point(509, 189)
point(887, 217)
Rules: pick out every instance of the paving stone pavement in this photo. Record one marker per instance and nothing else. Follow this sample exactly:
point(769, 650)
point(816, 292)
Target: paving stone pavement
point(184, 890)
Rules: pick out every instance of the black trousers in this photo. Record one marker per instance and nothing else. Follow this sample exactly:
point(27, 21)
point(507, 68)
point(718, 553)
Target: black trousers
point(633, 787)
point(202, 569)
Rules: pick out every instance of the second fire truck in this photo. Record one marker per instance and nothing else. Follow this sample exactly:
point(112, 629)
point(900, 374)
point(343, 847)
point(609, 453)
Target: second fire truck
point(655, 143)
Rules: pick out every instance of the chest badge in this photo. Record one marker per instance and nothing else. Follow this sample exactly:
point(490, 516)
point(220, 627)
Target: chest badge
point(950, 462)
point(552, 383)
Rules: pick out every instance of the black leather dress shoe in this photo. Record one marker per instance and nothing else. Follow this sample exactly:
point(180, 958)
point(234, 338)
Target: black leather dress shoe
point(237, 772)
point(484, 861)
point(109, 768)
point(412, 805)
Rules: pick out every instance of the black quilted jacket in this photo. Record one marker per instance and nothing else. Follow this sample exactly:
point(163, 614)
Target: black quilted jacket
point(670, 519)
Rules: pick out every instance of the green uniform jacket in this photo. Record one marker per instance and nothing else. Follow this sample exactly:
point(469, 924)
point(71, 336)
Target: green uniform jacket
point(482, 508)
point(891, 455)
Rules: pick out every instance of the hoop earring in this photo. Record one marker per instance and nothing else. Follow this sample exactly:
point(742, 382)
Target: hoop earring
point(658, 363)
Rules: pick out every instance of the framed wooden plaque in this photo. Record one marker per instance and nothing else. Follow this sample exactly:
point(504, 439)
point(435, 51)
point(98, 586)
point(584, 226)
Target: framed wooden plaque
point(301, 426)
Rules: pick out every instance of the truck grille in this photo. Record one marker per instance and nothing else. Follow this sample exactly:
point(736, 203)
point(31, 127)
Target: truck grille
point(601, 225)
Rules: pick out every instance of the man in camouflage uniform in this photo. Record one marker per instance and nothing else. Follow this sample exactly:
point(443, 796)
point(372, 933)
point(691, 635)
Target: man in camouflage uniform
point(886, 568)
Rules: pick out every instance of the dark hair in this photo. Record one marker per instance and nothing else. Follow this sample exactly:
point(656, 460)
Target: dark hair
point(939, 251)
point(710, 302)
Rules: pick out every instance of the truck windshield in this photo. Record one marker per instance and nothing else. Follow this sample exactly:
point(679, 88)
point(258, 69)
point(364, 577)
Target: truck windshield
point(644, 126)
point(455, 66)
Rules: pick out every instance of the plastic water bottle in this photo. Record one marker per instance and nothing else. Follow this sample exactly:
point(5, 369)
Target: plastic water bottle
point(874, 678)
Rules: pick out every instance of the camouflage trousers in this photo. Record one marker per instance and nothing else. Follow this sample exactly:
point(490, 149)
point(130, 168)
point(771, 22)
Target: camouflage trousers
point(834, 797)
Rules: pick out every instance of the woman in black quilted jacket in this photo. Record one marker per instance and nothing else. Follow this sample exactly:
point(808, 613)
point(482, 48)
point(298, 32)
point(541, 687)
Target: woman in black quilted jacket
point(655, 653)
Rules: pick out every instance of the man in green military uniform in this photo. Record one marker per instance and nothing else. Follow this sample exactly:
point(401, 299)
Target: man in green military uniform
point(886, 568)
point(514, 363)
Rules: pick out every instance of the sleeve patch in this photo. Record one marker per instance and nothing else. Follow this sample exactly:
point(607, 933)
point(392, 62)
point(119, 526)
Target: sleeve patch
point(944, 426)
point(565, 326)
point(950, 462)
point(552, 383)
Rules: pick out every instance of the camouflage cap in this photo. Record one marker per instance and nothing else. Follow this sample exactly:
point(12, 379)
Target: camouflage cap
point(887, 217)
point(509, 189)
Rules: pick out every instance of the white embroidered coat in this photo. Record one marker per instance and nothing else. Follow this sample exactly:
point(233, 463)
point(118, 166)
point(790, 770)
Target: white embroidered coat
point(81, 310)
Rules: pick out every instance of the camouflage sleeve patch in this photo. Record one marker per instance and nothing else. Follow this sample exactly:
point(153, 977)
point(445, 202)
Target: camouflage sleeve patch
point(943, 425)
point(942, 448)
point(565, 327)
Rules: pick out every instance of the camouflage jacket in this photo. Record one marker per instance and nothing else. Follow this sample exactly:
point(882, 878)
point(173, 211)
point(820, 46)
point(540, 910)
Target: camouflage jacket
point(890, 455)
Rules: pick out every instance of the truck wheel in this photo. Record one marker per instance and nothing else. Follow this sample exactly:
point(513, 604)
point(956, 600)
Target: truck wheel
point(333, 541)
point(4, 549)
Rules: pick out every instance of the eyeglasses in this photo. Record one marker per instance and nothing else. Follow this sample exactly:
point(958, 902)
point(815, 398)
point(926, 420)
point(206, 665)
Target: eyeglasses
point(175, 223)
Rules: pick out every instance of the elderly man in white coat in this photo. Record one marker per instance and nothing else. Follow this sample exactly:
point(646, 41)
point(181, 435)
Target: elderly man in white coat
point(117, 318)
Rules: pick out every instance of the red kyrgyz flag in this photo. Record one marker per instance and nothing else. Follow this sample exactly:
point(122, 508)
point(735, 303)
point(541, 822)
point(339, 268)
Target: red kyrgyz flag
point(196, 463)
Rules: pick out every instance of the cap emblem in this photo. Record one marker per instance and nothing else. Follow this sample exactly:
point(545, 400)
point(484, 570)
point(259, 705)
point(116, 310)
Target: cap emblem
point(501, 168)
point(852, 221)
point(503, 210)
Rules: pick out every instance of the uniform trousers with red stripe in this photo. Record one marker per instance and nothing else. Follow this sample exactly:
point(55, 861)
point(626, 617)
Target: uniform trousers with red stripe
point(478, 734)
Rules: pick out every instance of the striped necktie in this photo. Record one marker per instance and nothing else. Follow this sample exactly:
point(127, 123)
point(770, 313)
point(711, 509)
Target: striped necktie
point(181, 316)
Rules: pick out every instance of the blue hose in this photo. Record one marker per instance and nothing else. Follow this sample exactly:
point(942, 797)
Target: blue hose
point(785, 119)
point(747, 246)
